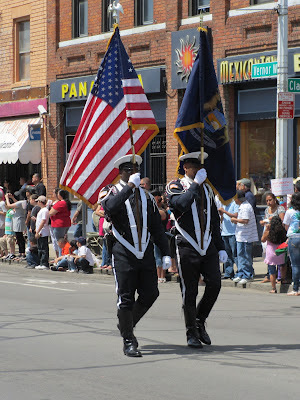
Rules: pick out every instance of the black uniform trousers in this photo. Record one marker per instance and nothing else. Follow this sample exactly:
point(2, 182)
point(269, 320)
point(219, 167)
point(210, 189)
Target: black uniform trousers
point(133, 275)
point(190, 265)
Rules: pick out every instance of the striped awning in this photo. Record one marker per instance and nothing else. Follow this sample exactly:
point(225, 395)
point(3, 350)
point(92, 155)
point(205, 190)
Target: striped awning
point(15, 144)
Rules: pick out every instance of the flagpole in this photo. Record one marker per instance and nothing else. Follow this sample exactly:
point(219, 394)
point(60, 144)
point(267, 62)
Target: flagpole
point(202, 160)
point(202, 191)
point(136, 194)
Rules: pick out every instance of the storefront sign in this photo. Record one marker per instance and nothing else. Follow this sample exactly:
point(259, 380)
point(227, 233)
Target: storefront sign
point(282, 187)
point(239, 68)
point(77, 89)
point(34, 132)
point(264, 70)
point(286, 105)
point(294, 85)
point(185, 46)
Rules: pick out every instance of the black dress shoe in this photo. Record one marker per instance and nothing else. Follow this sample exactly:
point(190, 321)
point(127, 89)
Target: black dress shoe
point(130, 349)
point(133, 337)
point(203, 335)
point(194, 342)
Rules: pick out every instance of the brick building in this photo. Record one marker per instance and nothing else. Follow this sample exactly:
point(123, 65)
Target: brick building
point(23, 61)
point(242, 32)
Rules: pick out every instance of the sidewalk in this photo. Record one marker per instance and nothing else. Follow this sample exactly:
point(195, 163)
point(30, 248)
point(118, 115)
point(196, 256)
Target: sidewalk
point(260, 269)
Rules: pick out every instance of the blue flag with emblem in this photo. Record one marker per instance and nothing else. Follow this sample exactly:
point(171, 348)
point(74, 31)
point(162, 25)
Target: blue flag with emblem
point(201, 109)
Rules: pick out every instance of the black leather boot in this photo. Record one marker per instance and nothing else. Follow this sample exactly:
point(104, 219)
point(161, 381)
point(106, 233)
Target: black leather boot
point(191, 330)
point(126, 329)
point(203, 335)
point(138, 311)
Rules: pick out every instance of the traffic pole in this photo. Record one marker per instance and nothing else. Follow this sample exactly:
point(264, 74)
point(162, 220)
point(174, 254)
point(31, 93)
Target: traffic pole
point(282, 86)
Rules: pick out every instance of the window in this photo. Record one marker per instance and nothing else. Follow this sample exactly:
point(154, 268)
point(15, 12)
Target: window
point(23, 50)
point(196, 6)
point(80, 18)
point(253, 2)
point(107, 19)
point(257, 154)
point(143, 12)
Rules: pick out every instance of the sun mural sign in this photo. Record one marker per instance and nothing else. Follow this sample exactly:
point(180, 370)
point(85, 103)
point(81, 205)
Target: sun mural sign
point(185, 45)
point(186, 57)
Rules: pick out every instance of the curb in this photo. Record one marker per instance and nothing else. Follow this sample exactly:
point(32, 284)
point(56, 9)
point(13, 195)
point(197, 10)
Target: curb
point(254, 285)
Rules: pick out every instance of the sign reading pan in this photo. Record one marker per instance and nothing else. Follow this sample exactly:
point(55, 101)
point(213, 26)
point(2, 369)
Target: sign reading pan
point(77, 89)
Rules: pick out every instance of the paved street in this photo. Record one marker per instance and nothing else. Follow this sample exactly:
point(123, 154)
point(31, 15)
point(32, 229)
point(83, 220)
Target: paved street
point(59, 341)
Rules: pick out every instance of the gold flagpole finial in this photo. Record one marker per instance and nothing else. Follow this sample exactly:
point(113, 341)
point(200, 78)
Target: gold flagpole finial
point(201, 22)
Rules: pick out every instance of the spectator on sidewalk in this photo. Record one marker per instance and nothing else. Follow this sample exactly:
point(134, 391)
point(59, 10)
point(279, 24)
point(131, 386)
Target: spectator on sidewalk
point(292, 225)
point(246, 234)
point(274, 234)
point(77, 220)
point(42, 233)
point(18, 219)
point(273, 209)
point(161, 273)
point(60, 216)
point(146, 183)
point(245, 185)
point(32, 255)
point(106, 256)
point(2, 214)
point(228, 235)
point(34, 212)
point(7, 242)
point(84, 259)
point(39, 187)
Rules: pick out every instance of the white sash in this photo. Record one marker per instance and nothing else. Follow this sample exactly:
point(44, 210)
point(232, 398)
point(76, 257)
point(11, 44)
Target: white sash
point(134, 249)
point(207, 234)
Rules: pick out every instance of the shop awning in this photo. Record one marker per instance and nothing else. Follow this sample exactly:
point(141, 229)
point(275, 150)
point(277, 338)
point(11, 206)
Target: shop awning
point(15, 144)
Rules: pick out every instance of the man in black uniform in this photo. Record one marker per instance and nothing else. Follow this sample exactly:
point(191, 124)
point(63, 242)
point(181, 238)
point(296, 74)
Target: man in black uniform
point(133, 257)
point(195, 257)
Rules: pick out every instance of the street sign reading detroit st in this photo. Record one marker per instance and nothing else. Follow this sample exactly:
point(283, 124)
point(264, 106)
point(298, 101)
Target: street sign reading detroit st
point(264, 70)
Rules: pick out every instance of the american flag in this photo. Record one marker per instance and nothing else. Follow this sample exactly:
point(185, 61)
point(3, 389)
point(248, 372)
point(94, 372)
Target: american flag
point(117, 99)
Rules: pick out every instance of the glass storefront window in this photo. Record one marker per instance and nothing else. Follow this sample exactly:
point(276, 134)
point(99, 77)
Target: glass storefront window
point(257, 154)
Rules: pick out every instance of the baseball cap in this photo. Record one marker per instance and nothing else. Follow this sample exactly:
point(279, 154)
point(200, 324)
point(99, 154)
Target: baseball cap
point(81, 240)
point(42, 199)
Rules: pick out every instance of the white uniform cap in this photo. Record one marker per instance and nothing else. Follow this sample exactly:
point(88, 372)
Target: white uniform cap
point(128, 159)
point(195, 155)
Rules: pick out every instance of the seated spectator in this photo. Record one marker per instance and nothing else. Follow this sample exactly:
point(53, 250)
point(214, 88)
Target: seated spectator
point(32, 256)
point(18, 220)
point(73, 251)
point(274, 235)
point(84, 260)
point(245, 234)
point(7, 242)
point(61, 263)
point(42, 233)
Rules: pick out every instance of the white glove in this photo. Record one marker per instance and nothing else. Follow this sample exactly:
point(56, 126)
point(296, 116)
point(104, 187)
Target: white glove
point(135, 179)
point(167, 262)
point(223, 256)
point(201, 175)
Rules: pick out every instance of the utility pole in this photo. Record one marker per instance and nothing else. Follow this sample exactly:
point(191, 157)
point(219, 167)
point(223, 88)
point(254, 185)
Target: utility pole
point(282, 86)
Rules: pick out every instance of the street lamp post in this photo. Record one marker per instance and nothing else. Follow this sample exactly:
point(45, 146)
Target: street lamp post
point(282, 86)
